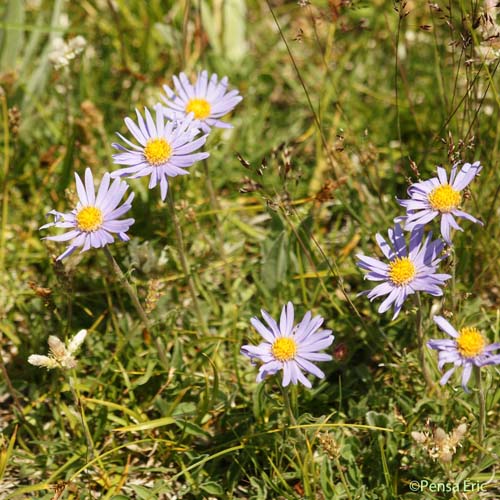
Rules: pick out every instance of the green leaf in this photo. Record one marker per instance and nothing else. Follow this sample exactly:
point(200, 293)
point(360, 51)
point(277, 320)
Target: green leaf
point(192, 429)
point(145, 378)
point(377, 419)
point(275, 262)
point(212, 489)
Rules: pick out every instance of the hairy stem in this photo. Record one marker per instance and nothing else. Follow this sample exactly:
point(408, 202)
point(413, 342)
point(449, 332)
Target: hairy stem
point(137, 305)
point(184, 262)
point(342, 477)
point(421, 343)
point(453, 280)
point(288, 406)
point(482, 406)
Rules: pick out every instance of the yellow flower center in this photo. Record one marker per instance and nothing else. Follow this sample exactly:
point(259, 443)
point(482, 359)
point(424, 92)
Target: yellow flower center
point(157, 151)
point(200, 108)
point(444, 198)
point(284, 348)
point(89, 219)
point(401, 271)
point(470, 342)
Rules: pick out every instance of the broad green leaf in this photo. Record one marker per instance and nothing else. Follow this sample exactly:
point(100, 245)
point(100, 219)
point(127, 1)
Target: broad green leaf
point(275, 263)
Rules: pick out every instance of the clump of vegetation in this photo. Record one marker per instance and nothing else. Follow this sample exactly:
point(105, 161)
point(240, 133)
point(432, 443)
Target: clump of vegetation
point(212, 257)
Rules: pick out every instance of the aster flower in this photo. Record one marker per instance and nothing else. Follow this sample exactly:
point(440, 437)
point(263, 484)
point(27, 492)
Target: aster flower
point(467, 348)
point(165, 148)
point(409, 270)
point(95, 218)
point(289, 348)
point(60, 356)
point(207, 100)
point(440, 197)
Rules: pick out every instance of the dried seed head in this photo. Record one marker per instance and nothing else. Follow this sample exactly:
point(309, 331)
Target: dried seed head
point(441, 446)
point(419, 437)
point(14, 116)
point(440, 435)
point(329, 445)
point(154, 294)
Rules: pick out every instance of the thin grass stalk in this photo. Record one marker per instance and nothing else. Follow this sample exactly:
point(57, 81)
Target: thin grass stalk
point(137, 305)
point(329, 157)
point(185, 263)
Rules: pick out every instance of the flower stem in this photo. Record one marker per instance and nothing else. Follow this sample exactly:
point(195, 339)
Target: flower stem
point(5, 172)
point(288, 406)
point(482, 406)
point(342, 477)
point(184, 262)
point(138, 307)
point(453, 280)
point(216, 208)
point(211, 192)
point(421, 343)
point(304, 442)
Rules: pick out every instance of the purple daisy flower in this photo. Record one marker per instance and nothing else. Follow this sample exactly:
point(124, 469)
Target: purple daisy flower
point(290, 348)
point(207, 99)
point(438, 196)
point(95, 218)
point(467, 348)
point(165, 150)
point(408, 270)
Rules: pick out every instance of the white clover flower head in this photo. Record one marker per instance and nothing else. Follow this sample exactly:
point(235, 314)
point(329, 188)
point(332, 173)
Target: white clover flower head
point(63, 52)
point(59, 356)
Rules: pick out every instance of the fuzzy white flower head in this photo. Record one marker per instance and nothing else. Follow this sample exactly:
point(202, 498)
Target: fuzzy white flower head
point(60, 356)
point(62, 53)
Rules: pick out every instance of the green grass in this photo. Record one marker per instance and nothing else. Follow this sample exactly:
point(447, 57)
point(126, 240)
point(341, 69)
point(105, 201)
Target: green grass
point(366, 94)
